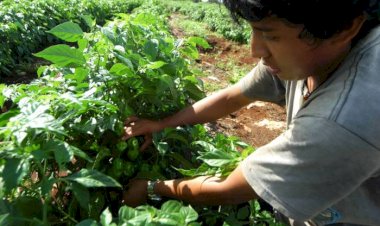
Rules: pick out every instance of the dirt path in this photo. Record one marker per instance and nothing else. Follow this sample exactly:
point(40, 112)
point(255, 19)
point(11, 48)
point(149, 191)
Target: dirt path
point(258, 123)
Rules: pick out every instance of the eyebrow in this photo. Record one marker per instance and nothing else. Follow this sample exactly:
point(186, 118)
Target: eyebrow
point(263, 29)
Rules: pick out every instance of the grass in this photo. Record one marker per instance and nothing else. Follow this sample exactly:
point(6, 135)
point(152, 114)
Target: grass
point(192, 27)
point(228, 71)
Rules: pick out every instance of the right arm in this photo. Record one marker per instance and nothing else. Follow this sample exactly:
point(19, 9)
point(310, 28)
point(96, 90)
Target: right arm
point(208, 109)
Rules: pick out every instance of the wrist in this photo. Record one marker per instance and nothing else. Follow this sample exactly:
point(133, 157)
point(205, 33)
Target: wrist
point(151, 195)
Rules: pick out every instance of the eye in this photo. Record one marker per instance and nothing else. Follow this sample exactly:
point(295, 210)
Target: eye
point(269, 37)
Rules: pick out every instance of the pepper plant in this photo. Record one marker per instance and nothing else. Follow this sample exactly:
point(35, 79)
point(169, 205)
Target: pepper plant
point(61, 149)
point(63, 132)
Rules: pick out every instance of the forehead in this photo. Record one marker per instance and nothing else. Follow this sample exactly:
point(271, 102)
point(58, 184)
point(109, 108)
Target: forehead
point(273, 23)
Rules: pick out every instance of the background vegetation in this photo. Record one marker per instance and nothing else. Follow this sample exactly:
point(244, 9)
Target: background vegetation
point(61, 150)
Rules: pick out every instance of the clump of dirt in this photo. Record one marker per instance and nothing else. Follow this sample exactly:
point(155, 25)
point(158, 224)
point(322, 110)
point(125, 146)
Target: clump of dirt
point(257, 124)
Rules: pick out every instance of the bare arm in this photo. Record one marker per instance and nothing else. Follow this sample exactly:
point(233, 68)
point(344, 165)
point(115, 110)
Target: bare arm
point(210, 108)
point(203, 190)
point(209, 190)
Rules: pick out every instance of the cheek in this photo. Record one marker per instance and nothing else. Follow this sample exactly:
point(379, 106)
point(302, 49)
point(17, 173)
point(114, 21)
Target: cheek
point(302, 61)
point(296, 66)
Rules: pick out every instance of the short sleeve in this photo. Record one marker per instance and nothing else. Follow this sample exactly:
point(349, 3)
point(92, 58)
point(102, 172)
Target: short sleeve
point(260, 84)
point(311, 166)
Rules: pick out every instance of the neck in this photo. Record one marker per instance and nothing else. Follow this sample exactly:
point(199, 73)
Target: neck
point(314, 81)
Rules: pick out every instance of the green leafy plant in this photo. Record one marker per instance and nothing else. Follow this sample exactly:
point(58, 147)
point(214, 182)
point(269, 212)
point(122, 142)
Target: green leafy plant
point(61, 149)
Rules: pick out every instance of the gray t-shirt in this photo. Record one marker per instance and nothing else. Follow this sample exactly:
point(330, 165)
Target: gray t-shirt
point(325, 168)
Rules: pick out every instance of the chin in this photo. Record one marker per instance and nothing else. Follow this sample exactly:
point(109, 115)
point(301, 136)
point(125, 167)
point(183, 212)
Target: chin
point(290, 76)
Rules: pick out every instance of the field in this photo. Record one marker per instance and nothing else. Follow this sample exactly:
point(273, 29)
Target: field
point(69, 82)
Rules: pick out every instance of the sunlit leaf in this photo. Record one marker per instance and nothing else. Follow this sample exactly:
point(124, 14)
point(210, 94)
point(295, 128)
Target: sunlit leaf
point(106, 217)
point(62, 55)
point(68, 31)
point(93, 178)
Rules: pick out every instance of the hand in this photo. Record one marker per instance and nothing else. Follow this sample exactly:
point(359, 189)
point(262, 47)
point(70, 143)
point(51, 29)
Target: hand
point(136, 194)
point(135, 126)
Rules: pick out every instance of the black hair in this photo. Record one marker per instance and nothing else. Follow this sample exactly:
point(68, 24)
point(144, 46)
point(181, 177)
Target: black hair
point(321, 18)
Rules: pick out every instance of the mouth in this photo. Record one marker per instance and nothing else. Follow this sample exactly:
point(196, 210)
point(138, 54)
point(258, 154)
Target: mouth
point(272, 69)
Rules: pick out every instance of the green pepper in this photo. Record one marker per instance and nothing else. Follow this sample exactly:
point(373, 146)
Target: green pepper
point(128, 169)
point(116, 170)
point(121, 146)
point(145, 167)
point(156, 168)
point(133, 151)
point(134, 143)
point(118, 163)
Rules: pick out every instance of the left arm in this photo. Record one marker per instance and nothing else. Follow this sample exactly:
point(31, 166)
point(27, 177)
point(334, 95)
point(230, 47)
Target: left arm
point(203, 190)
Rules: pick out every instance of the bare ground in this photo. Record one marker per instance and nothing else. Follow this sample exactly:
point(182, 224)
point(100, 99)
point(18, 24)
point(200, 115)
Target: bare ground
point(258, 123)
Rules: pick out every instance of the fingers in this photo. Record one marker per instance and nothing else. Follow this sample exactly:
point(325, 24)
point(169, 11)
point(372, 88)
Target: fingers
point(147, 142)
point(134, 126)
point(128, 133)
point(129, 130)
point(131, 119)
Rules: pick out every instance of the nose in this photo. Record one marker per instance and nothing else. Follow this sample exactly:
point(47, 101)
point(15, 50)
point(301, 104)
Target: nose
point(258, 46)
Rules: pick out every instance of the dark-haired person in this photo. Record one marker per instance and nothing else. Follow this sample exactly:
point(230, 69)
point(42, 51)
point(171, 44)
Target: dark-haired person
point(322, 59)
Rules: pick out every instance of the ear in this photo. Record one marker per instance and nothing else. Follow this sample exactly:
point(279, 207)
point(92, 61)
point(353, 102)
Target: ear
point(346, 36)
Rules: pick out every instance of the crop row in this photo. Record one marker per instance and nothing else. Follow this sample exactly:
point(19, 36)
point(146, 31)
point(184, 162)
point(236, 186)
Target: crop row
point(23, 24)
point(214, 15)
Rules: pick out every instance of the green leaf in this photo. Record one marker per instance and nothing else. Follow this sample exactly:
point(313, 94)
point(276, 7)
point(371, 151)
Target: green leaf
point(41, 70)
point(2, 97)
point(179, 158)
point(194, 91)
point(4, 219)
point(90, 22)
point(88, 222)
point(120, 69)
point(68, 31)
point(47, 184)
point(168, 219)
point(207, 146)
point(124, 60)
point(243, 213)
point(106, 217)
point(79, 75)
point(198, 41)
point(126, 213)
point(93, 178)
point(189, 214)
point(81, 194)
point(14, 171)
point(155, 65)
point(171, 206)
point(62, 55)
point(145, 19)
point(82, 44)
point(216, 158)
point(167, 82)
point(162, 147)
point(62, 153)
point(4, 117)
point(190, 51)
point(151, 49)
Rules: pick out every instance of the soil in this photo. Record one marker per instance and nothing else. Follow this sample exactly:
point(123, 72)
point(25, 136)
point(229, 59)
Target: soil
point(258, 123)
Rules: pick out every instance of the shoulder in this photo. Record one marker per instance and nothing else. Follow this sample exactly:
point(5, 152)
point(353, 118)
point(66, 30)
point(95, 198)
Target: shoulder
point(350, 98)
point(294, 169)
point(260, 84)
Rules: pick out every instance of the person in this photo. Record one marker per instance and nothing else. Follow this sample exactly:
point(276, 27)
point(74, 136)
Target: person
point(322, 59)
